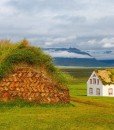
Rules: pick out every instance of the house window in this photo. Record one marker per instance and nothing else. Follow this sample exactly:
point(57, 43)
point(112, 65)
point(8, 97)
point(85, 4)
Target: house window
point(94, 81)
point(97, 81)
point(90, 91)
point(90, 81)
point(98, 91)
point(110, 91)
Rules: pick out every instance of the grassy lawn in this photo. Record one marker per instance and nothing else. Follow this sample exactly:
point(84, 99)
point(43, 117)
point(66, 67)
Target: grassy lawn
point(84, 113)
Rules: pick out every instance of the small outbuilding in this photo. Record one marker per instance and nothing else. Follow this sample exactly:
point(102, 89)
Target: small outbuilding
point(27, 73)
point(101, 83)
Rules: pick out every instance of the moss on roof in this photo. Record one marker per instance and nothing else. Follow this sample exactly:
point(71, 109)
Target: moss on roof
point(13, 54)
point(106, 76)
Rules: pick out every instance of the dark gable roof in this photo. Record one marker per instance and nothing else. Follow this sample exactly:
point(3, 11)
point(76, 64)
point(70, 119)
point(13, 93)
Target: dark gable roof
point(106, 76)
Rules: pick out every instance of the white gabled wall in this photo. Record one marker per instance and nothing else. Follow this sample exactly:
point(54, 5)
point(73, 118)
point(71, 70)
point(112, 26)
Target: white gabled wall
point(94, 86)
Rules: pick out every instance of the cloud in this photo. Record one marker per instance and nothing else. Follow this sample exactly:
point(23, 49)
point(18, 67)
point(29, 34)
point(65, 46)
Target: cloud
point(5, 9)
point(101, 54)
point(82, 24)
point(108, 45)
point(60, 40)
point(105, 42)
point(108, 42)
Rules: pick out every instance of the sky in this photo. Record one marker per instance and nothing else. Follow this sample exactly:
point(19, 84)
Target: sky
point(84, 24)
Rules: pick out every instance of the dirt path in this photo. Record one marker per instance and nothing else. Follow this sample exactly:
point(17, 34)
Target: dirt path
point(89, 102)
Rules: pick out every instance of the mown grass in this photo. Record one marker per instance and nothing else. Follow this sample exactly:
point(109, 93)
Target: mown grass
point(77, 117)
point(85, 113)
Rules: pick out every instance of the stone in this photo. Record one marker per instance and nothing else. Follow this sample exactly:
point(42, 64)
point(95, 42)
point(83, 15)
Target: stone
point(33, 86)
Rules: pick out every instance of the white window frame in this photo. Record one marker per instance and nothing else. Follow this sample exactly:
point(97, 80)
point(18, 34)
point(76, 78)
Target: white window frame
point(110, 91)
point(90, 91)
point(97, 81)
point(94, 80)
point(98, 91)
point(90, 81)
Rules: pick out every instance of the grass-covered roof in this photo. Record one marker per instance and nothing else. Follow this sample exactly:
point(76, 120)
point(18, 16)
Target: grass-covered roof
point(106, 76)
point(13, 54)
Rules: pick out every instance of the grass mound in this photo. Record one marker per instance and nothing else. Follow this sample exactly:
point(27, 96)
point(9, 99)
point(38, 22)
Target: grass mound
point(12, 54)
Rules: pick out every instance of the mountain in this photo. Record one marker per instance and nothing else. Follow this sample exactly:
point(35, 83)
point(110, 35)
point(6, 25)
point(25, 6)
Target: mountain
point(102, 54)
point(74, 57)
point(67, 53)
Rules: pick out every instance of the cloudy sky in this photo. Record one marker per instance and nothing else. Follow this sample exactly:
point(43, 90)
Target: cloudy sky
point(84, 24)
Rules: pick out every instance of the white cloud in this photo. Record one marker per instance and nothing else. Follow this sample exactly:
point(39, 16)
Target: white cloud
point(108, 45)
point(60, 40)
point(98, 44)
point(92, 42)
point(108, 42)
point(59, 22)
point(6, 9)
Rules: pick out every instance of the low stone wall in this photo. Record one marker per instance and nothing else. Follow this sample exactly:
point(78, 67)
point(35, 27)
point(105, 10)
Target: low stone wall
point(33, 86)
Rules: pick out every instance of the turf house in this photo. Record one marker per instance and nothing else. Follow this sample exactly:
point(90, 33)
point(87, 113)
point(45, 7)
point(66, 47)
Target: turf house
point(27, 73)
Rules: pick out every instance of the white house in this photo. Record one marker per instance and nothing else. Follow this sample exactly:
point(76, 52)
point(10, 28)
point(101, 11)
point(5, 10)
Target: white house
point(101, 83)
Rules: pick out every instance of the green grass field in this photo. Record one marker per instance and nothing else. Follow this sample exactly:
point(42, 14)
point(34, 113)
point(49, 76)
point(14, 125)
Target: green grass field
point(83, 113)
